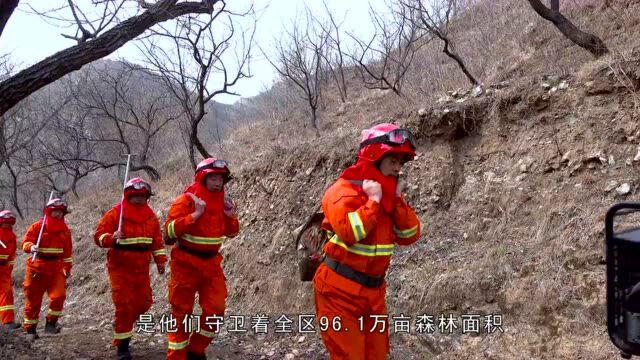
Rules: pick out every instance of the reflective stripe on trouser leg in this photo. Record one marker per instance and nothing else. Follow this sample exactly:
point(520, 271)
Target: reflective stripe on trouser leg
point(33, 289)
point(131, 296)
point(7, 309)
point(177, 342)
point(212, 297)
point(57, 292)
point(182, 289)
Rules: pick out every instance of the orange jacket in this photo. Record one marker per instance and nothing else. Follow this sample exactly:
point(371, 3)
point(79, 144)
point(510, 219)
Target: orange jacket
point(205, 234)
point(364, 233)
point(53, 246)
point(137, 235)
point(8, 255)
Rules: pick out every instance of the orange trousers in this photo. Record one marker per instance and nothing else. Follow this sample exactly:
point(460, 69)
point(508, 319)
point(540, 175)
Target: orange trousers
point(190, 275)
point(131, 295)
point(36, 283)
point(7, 309)
point(352, 330)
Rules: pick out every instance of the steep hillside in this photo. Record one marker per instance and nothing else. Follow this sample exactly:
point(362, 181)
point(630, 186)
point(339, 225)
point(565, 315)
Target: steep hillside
point(511, 185)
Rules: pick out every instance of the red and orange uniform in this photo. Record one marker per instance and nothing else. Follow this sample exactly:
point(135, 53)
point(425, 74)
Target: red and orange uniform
point(349, 285)
point(51, 267)
point(196, 261)
point(128, 257)
point(7, 260)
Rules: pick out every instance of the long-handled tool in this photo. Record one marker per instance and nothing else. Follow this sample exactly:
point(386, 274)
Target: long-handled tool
point(44, 222)
point(124, 184)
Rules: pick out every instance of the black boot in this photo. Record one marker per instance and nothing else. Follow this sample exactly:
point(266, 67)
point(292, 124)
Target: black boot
point(192, 356)
point(123, 350)
point(32, 334)
point(52, 327)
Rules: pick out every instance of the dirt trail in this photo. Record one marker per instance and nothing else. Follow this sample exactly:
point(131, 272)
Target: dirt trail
point(77, 342)
point(80, 342)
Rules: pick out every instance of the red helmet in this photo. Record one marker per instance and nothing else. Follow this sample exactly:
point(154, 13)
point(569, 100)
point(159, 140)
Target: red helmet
point(6, 216)
point(386, 138)
point(212, 166)
point(57, 204)
point(137, 186)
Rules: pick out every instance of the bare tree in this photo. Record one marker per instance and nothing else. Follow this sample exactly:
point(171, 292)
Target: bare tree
point(198, 60)
point(585, 40)
point(17, 145)
point(433, 17)
point(96, 37)
point(112, 108)
point(69, 152)
point(298, 59)
point(67, 155)
point(334, 54)
point(384, 60)
point(133, 103)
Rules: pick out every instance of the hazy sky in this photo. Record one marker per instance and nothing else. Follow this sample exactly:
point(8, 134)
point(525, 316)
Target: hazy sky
point(29, 38)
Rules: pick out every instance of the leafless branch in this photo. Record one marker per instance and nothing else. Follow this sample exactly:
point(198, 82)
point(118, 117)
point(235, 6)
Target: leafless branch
point(298, 58)
point(199, 58)
point(21, 85)
point(585, 40)
point(384, 60)
point(433, 17)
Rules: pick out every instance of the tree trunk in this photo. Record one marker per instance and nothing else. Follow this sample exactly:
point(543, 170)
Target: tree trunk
point(314, 117)
point(29, 80)
point(587, 41)
point(14, 194)
point(6, 10)
point(192, 155)
point(459, 61)
point(343, 84)
point(195, 140)
point(3, 144)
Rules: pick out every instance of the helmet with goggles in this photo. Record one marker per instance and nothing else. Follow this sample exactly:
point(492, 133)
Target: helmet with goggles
point(212, 166)
point(137, 186)
point(386, 138)
point(57, 204)
point(6, 216)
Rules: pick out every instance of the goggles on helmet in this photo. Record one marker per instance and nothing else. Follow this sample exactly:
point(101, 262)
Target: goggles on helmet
point(218, 164)
point(139, 186)
point(394, 138)
point(57, 203)
point(7, 215)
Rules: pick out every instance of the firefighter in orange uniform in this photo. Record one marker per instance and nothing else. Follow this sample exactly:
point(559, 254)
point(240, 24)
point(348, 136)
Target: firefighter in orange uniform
point(50, 269)
point(7, 259)
point(197, 222)
point(367, 217)
point(128, 258)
